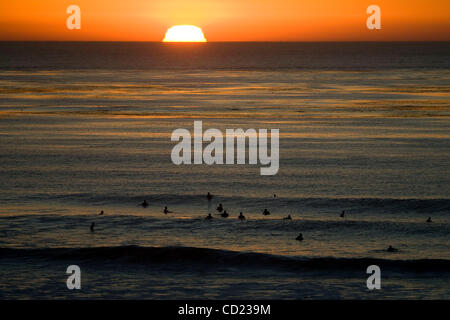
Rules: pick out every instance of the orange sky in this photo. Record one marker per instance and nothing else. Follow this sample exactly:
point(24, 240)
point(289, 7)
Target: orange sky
point(226, 20)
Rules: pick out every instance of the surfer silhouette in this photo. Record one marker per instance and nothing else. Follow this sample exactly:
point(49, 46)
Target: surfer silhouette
point(391, 249)
point(166, 211)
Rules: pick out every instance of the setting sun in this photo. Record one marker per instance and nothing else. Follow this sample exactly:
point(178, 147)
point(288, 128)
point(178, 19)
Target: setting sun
point(184, 33)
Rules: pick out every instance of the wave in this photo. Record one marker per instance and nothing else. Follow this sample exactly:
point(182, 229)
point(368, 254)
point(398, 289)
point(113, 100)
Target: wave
point(184, 257)
point(355, 204)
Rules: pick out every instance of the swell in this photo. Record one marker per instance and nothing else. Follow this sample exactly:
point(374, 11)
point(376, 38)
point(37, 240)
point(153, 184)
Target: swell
point(357, 204)
point(184, 257)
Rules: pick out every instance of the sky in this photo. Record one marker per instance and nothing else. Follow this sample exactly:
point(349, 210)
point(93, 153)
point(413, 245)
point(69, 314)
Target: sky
point(226, 20)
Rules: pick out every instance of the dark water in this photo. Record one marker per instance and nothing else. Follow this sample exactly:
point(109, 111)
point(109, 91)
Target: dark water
point(364, 127)
point(224, 56)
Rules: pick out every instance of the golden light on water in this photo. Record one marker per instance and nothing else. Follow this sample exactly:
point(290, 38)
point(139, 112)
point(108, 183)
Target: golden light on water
point(184, 33)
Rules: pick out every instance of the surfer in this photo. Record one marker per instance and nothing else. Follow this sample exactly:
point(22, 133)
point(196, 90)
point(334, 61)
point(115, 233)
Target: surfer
point(241, 216)
point(299, 237)
point(266, 212)
point(288, 217)
point(166, 211)
point(92, 226)
point(429, 219)
point(225, 214)
point(209, 216)
point(342, 214)
point(144, 204)
point(209, 196)
point(391, 249)
point(220, 208)
point(101, 213)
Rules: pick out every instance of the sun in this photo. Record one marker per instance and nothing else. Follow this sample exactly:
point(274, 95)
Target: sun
point(184, 33)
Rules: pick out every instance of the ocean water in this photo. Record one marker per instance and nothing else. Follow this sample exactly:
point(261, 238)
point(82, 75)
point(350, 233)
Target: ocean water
point(85, 127)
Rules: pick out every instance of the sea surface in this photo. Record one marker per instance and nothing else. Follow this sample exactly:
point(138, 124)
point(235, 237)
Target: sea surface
point(85, 127)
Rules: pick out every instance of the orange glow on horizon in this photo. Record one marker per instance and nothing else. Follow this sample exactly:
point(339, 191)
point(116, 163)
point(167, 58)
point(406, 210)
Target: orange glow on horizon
point(231, 20)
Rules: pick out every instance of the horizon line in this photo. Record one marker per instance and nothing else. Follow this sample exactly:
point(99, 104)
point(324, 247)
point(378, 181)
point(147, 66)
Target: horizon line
point(247, 41)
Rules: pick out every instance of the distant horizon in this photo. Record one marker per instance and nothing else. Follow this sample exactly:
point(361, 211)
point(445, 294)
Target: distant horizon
point(250, 41)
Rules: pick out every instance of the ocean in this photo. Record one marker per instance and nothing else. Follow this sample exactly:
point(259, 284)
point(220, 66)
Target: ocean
point(85, 127)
